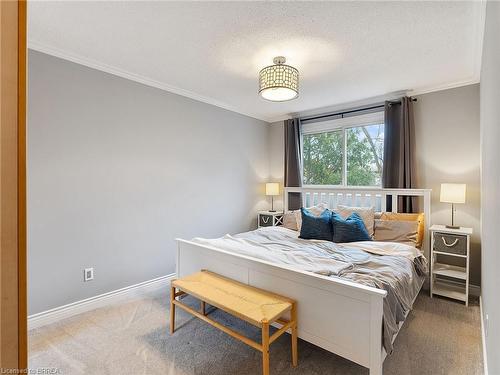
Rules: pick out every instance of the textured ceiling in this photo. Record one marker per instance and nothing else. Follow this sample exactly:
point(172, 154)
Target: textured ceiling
point(345, 51)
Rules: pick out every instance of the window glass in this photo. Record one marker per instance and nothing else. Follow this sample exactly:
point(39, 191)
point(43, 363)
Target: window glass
point(323, 158)
point(365, 153)
point(346, 151)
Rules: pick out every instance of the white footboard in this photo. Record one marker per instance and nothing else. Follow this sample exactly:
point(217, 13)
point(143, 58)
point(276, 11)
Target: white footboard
point(340, 316)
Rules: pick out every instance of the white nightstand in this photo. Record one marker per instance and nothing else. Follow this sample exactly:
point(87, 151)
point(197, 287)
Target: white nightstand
point(270, 219)
point(450, 280)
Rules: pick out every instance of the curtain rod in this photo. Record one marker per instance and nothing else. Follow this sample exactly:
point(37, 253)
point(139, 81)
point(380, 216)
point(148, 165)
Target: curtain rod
point(342, 113)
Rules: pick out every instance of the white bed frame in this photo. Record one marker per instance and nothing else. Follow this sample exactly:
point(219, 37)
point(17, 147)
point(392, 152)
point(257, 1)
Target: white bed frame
point(340, 316)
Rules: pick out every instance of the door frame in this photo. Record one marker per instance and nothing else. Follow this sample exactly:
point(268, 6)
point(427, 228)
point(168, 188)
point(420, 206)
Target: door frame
point(13, 280)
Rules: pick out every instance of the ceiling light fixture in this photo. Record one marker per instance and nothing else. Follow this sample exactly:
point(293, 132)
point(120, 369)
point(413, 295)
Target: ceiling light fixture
point(279, 82)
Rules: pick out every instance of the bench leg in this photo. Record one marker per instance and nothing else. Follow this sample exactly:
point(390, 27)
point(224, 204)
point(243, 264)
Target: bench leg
point(202, 308)
point(172, 310)
point(265, 348)
point(294, 335)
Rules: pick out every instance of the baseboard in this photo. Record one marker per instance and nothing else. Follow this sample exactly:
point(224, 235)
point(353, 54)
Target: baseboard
point(78, 307)
point(475, 290)
point(483, 338)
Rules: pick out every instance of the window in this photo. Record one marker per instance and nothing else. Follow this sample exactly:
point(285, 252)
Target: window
point(323, 158)
point(344, 151)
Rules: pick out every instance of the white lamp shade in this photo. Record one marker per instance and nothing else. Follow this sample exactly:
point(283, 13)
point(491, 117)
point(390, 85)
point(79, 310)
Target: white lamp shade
point(272, 188)
point(452, 193)
point(278, 94)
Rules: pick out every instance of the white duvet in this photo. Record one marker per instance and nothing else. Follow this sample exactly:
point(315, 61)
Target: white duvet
point(283, 246)
point(397, 268)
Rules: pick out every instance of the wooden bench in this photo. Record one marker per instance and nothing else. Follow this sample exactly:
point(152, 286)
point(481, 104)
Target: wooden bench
point(256, 306)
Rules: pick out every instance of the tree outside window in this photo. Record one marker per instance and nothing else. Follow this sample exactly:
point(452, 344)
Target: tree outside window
point(323, 156)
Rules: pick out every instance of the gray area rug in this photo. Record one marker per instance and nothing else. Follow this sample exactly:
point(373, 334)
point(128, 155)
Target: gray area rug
point(131, 337)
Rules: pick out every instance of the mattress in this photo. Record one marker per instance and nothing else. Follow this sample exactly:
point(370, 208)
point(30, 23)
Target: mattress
point(396, 268)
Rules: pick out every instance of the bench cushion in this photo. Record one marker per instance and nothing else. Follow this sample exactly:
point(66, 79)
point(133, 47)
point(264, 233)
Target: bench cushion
point(243, 301)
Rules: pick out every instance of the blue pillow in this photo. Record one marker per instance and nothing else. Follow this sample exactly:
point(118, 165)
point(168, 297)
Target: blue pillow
point(316, 227)
point(351, 229)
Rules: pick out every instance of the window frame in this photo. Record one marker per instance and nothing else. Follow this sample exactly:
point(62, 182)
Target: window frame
point(343, 124)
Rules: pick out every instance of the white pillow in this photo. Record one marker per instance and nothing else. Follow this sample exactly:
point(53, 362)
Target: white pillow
point(315, 210)
point(366, 213)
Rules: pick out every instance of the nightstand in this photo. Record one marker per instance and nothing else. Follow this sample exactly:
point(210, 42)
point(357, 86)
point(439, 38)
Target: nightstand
point(270, 219)
point(450, 253)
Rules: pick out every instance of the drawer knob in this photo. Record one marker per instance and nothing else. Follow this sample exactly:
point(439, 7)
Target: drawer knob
point(449, 244)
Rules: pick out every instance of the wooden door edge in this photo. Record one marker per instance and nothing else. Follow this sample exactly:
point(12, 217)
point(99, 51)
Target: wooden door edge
point(22, 210)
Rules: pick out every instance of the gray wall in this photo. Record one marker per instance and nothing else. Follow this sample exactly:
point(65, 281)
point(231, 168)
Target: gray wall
point(277, 157)
point(447, 136)
point(117, 170)
point(490, 183)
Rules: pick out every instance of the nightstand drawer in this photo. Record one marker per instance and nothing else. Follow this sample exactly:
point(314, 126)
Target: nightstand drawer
point(450, 243)
point(266, 220)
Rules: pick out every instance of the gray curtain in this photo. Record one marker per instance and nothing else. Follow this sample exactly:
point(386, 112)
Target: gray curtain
point(399, 151)
point(293, 161)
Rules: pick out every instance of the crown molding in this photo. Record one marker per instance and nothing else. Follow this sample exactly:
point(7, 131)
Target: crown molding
point(279, 119)
point(381, 98)
point(90, 63)
point(476, 76)
point(351, 105)
point(444, 86)
point(473, 79)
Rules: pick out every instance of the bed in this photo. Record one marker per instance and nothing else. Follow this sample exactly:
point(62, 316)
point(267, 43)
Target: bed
point(334, 313)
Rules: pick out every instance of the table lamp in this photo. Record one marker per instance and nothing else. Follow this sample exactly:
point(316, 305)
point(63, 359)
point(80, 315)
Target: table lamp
point(272, 189)
point(452, 193)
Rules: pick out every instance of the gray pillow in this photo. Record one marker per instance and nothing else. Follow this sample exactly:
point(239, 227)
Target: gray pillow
point(396, 231)
point(289, 221)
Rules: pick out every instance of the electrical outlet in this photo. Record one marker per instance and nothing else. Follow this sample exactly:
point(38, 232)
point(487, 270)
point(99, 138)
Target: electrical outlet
point(88, 274)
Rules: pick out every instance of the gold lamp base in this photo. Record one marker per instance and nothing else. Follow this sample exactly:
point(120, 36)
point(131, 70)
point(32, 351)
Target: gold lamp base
point(453, 226)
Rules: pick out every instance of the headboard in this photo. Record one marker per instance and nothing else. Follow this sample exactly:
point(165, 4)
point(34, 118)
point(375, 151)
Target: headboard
point(363, 197)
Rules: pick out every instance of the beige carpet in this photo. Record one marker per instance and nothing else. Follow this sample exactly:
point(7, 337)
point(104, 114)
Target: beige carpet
point(130, 337)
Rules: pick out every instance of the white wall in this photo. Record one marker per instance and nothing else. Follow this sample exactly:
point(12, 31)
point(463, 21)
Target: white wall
point(447, 138)
point(490, 184)
point(117, 170)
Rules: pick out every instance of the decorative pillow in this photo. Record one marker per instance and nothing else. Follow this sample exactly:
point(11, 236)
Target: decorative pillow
point(367, 214)
point(316, 227)
point(396, 231)
point(315, 210)
point(352, 229)
point(418, 217)
point(289, 220)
